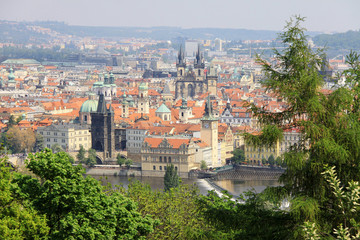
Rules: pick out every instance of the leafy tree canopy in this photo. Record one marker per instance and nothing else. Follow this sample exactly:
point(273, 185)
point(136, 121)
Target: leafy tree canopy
point(171, 179)
point(77, 207)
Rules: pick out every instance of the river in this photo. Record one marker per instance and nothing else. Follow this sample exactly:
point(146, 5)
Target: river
point(235, 187)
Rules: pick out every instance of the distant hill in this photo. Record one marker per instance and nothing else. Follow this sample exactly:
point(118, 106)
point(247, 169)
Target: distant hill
point(347, 40)
point(160, 33)
point(24, 32)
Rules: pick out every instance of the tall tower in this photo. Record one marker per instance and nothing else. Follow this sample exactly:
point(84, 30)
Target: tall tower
point(184, 112)
point(209, 133)
point(102, 129)
point(180, 63)
point(143, 99)
point(199, 65)
point(211, 80)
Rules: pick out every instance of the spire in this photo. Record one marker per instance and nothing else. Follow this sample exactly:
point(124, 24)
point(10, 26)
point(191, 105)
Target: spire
point(208, 108)
point(198, 57)
point(181, 56)
point(101, 104)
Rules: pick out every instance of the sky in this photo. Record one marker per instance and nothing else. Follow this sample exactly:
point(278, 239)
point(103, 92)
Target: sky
point(321, 15)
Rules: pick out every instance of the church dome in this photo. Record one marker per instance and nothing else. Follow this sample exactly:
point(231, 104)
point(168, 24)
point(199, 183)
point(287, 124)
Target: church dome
point(89, 106)
point(143, 86)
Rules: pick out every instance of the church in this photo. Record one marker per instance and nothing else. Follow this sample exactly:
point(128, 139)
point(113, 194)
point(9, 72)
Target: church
point(192, 80)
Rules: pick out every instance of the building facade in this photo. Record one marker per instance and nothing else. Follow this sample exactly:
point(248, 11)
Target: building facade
point(69, 136)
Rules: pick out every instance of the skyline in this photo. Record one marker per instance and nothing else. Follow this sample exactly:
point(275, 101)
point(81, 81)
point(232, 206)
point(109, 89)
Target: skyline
point(323, 16)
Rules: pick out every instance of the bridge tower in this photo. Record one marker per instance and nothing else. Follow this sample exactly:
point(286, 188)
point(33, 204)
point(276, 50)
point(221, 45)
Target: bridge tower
point(102, 129)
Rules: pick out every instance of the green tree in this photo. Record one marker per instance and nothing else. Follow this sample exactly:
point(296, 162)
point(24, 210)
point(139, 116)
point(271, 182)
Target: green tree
point(81, 154)
point(171, 178)
point(56, 148)
point(20, 141)
point(177, 211)
point(271, 160)
point(329, 125)
point(120, 160)
point(128, 163)
point(238, 156)
point(18, 220)
point(264, 161)
point(77, 207)
point(39, 143)
point(71, 158)
point(91, 159)
point(12, 121)
point(203, 165)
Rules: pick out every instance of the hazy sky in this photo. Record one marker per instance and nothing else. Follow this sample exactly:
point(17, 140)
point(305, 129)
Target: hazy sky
point(322, 15)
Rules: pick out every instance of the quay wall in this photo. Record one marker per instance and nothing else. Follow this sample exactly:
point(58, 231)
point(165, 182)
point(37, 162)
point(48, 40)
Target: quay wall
point(249, 173)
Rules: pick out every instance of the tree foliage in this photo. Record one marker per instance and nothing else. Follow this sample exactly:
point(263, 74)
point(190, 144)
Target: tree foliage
point(18, 220)
point(120, 160)
point(77, 207)
point(171, 178)
point(56, 148)
point(203, 165)
point(20, 141)
point(238, 156)
point(328, 121)
point(91, 159)
point(177, 211)
point(81, 154)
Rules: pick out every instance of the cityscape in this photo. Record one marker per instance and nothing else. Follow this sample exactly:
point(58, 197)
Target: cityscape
point(159, 132)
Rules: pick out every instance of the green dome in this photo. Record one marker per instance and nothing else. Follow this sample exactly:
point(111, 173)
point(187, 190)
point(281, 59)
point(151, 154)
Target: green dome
point(143, 86)
point(11, 76)
point(89, 106)
point(163, 109)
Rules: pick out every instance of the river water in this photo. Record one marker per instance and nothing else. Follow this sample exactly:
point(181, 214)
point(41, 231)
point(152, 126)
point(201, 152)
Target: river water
point(235, 187)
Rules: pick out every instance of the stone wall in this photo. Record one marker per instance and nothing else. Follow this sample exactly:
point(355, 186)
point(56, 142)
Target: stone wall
point(250, 173)
point(113, 171)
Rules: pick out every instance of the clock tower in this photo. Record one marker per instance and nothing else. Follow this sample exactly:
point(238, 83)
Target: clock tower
point(209, 134)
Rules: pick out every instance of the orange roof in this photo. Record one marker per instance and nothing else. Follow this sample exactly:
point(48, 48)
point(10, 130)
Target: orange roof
point(174, 142)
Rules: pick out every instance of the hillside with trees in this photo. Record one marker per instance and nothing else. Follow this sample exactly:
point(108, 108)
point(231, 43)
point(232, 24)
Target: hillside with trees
point(348, 40)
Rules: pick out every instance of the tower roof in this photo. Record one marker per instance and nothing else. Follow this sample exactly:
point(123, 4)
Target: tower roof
point(11, 76)
point(101, 108)
point(166, 89)
point(163, 109)
point(143, 87)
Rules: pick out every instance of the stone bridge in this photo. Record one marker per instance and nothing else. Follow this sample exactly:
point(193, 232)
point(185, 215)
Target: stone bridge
point(249, 173)
point(100, 157)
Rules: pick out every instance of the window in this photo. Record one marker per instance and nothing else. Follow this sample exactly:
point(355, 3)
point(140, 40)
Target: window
point(48, 139)
point(160, 160)
point(169, 159)
point(62, 140)
point(48, 133)
point(62, 134)
point(48, 145)
point(55, 140)
point(154, 167)
point(165, 168)
point(41, 133)
point(55, 133)
point(160, 168)
point(175, 168)
point(164, 159)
